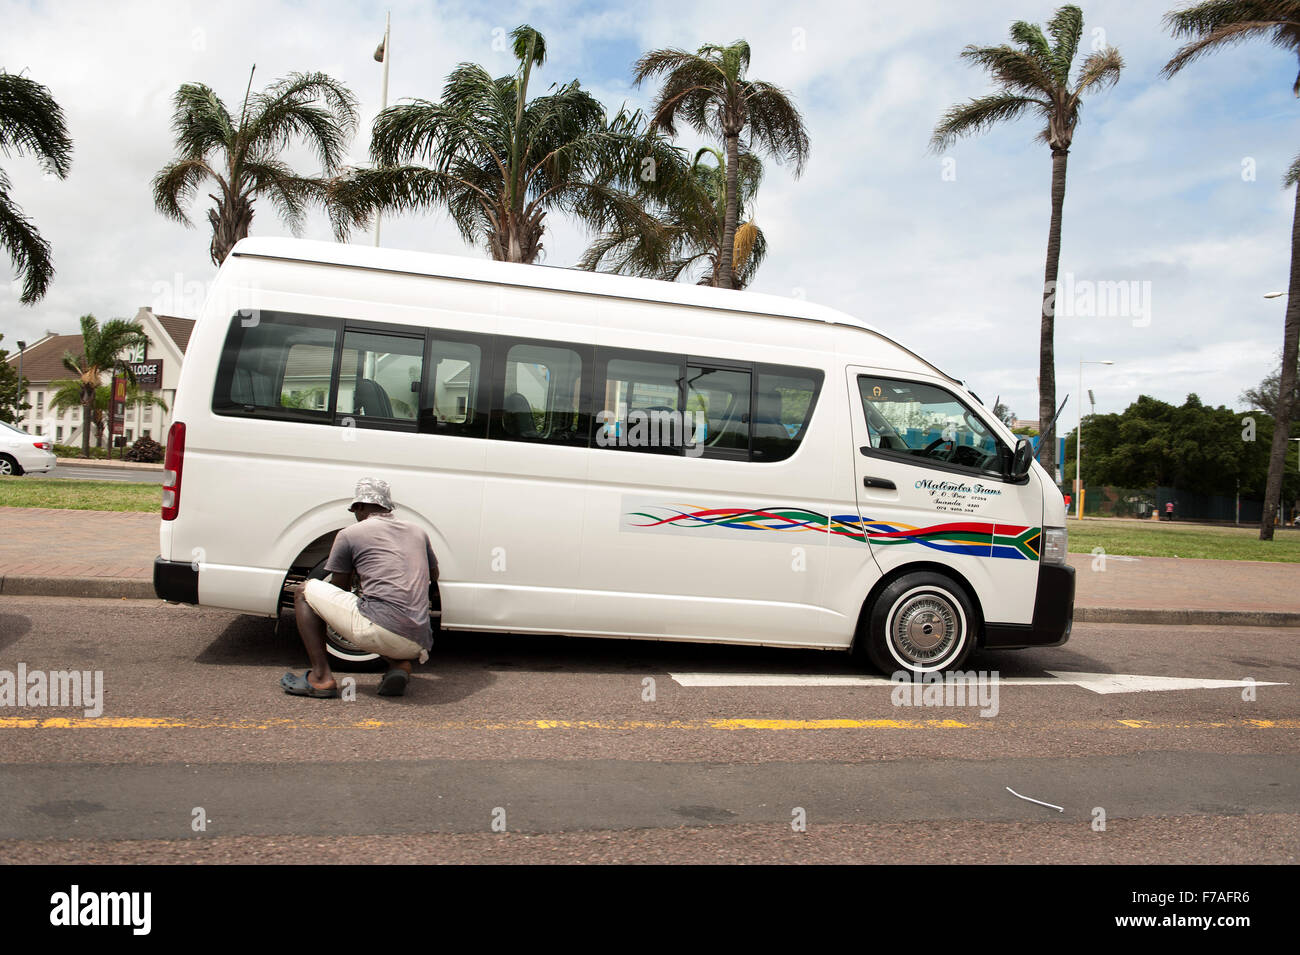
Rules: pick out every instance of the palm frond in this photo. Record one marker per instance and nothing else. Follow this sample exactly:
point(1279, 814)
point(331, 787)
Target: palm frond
point(1014, 70)
point(979, 114)
point(176, 184)
point(200, 122)
point(286, 111)
point(1292, 176)
point(32, 123)
point(1215, 24)
point(1065, 28)
point(30, 253)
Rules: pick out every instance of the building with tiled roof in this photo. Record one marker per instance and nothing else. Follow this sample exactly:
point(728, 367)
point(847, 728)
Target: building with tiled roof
point(42, 364)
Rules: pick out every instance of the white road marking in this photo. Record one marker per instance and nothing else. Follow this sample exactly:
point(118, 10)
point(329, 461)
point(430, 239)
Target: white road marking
point(1096, 682)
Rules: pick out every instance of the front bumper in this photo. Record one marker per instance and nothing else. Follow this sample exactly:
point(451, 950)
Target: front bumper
point(176, 581)
point(1053, 614)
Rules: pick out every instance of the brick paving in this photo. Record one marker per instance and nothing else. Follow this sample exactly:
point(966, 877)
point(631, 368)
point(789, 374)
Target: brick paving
point(43, 542)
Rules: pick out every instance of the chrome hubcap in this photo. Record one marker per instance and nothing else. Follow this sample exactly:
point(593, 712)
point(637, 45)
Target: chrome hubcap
point(926, 626)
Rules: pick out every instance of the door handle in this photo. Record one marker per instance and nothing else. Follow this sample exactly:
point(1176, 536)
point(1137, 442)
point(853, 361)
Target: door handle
point(879, 482)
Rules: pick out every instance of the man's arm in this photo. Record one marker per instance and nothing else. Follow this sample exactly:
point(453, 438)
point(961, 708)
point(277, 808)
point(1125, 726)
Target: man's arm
point(340, 564)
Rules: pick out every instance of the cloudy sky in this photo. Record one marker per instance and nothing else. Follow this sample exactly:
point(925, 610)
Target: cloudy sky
point(1174, 185)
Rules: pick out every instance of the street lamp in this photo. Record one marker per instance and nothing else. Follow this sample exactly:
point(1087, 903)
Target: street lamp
point(1078, 442)
point(19, 407)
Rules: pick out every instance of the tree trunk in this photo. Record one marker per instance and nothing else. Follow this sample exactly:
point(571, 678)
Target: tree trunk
point(87, 413)
point(1046, 342)
point(230, 223)
point(727, 251)
point(1285, 386)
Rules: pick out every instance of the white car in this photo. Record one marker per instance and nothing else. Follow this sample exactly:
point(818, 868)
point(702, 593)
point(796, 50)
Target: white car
point(22, 453)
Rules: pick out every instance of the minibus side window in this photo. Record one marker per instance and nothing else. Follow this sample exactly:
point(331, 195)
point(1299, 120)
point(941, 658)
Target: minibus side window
point(379, 376)
point(453, 402)
point(539, 395)
point(639, 408)
point(929, 426)
point(718, 402)
point(275, 365)
point(784, 399)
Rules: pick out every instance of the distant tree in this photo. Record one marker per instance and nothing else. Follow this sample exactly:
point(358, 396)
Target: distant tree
point(102, 353)
point(500, 163)
point(691, 221)
point(1034, 77)
point(242, 154)
point(1004, 414)
point(1192, 447)
point(708, 90)
point(13, 393)
point(31, 123)
point(1264, 395)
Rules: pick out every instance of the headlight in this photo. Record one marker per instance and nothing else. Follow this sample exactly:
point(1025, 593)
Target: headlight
point(1054, 545)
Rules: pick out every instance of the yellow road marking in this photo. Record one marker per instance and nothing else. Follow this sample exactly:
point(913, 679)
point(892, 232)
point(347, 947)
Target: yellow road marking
point(738, 723)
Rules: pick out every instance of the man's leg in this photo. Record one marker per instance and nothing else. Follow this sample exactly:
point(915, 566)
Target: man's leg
point(312, 630)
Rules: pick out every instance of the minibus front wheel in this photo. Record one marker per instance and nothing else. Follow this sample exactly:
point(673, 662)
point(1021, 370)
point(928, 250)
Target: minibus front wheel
point(921, 622)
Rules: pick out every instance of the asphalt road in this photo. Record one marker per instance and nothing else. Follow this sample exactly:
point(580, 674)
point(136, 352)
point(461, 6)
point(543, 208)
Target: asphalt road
point(525, 749)
point(76, 472)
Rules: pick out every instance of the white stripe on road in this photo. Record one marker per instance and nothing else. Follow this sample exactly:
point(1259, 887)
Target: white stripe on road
point(1096, 682)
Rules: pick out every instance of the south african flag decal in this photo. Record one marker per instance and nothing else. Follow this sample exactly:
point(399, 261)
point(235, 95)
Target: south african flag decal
point(972, 538)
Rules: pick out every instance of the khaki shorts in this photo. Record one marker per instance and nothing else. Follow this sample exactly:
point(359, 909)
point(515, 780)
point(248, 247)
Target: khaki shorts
point(338, 608)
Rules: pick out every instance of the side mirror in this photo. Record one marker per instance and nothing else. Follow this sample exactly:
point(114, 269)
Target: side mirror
point(1021, 459)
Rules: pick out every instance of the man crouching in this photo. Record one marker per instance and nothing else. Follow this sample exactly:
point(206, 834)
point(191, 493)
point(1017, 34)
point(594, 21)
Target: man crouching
point(396, 566)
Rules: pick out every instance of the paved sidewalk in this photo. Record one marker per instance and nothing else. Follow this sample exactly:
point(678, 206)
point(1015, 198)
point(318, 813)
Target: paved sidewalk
point(108, 553)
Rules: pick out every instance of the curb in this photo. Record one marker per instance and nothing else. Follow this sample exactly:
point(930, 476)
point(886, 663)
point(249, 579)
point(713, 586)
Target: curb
point(98, 463)
point(1187, 618)
point(112, 588)
point(140, 588)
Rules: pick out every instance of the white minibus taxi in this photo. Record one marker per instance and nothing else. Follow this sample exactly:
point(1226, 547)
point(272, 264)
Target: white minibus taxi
point(603, 456)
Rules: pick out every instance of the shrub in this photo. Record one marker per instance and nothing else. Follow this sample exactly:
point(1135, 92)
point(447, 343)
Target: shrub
point(146, 450)
point(74, 451)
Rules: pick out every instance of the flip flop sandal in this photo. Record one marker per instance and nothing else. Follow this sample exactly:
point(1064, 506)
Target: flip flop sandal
point(394, 682)
point(298, 685)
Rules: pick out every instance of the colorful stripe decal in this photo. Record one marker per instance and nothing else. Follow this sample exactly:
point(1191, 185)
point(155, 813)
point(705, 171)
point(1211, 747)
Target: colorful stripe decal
point(973, 538)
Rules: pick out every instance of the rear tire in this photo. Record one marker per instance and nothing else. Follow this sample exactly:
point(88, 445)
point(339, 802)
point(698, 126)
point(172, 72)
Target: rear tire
point(9, 467)
point(923, 622)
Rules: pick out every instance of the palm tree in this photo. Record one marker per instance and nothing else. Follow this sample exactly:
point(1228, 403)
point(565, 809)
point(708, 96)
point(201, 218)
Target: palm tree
point(708, 90)
point(243, 157)
point(1034, 77)
point(1212, 26)
point(31, 122)
point(499, 162)
point(691, 223)
point(101, 351)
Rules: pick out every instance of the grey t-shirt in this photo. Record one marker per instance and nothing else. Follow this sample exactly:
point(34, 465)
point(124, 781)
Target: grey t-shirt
point(396, 565)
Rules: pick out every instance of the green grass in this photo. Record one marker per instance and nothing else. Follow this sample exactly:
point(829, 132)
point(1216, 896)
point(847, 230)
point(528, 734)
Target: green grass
point(79, 495)
point(1160, 539)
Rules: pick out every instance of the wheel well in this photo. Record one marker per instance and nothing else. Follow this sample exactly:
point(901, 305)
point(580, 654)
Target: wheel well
point(313, 554)
point(864, 614)
point(18, 468)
